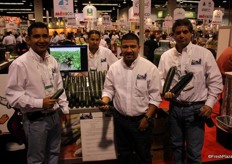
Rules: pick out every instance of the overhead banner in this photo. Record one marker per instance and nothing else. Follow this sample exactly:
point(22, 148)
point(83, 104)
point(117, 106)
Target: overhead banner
point(205, 9)
point(63, 8)
point(147, 8)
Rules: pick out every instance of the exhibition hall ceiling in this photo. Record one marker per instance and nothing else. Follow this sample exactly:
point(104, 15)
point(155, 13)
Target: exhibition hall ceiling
point(24, 7)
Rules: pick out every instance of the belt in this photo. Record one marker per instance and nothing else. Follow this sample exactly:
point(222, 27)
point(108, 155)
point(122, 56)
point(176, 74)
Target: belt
point(131, 118)
point(186, 104)
point(33, 116)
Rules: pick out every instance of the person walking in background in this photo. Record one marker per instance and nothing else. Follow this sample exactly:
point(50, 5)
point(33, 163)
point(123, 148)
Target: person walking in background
point(193, 105)
point(134, 85)
point(99, 58)
point(151, 45)
point(32, 79)
point(224, 61)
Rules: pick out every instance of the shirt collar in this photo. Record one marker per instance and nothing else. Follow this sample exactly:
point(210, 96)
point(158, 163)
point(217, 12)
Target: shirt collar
point(133, 64)
point(186, 49)
point(91, 55)
point(37, 57)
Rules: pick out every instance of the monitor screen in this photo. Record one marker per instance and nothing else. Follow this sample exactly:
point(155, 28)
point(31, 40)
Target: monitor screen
point(71, 58)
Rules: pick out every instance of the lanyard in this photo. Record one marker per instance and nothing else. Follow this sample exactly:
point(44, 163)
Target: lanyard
point(42, 75)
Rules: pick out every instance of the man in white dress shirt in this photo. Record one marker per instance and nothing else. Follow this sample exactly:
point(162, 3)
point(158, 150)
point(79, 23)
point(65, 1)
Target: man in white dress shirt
point(190, 108)
point(32, 79)
point(134, 85)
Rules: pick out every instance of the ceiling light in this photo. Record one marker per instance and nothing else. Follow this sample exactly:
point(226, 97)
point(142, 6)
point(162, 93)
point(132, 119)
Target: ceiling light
point(15, 9)
point(124, 1)
point(6, 3)
point(101, 4)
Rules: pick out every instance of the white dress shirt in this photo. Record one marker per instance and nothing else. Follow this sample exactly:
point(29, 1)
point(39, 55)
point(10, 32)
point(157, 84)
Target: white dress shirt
point(206, 82)
point(101, 60)
point(133, 88)
point(28, 75)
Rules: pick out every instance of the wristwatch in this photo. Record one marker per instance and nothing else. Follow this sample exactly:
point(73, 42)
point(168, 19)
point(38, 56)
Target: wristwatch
point(149, 119)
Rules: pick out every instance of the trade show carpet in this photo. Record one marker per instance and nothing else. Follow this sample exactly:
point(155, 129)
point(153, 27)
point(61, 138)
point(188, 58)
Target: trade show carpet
point(212, 153)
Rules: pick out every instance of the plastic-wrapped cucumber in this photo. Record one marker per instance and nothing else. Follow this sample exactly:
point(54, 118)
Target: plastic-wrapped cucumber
point(73, 90)
point(100, 83)
point(66, 81)
point(182, 83)
point(168, 80)
point(91, 82)
point(96, 85)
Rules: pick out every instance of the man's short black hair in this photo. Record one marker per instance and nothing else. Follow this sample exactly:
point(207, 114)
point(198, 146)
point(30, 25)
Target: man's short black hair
point(36, 25)
point(130, 36)
point(94, 32)
point(182, 22)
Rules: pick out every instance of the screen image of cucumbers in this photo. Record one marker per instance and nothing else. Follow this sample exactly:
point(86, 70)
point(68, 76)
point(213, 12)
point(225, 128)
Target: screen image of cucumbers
point(58, 93)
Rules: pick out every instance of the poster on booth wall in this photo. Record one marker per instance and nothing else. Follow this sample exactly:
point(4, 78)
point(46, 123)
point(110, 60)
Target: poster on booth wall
point(63, 8)
point(5, 113)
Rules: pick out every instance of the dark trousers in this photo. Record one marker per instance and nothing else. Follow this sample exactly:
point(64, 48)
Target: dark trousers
point(132, 145)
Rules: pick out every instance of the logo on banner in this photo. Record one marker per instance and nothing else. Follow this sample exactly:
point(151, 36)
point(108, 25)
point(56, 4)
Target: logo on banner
point(63, 2)
point(90, 12)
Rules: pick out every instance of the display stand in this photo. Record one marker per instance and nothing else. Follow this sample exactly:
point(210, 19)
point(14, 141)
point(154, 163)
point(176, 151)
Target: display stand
point(100, 142)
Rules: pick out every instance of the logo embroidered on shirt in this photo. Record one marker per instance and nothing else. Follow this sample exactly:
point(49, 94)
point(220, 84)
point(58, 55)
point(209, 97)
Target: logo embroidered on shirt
point(142, 77)
point(196, 62)
point(103, 60)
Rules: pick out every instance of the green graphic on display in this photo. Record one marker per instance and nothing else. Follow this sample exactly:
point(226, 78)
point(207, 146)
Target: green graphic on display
point(68, 60)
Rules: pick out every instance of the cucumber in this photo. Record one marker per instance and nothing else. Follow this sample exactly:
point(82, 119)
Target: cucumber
point(58, 93)
point(182, 83)
point(100, 82)
point(168, 80)
point(96, 84)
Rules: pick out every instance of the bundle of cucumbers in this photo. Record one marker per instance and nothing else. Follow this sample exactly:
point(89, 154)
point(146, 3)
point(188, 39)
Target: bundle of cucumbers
point(180, 85)
point(82, 91)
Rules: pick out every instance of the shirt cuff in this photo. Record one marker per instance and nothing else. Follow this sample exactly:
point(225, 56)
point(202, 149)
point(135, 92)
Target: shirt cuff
point(38, 103)
point(211, 102)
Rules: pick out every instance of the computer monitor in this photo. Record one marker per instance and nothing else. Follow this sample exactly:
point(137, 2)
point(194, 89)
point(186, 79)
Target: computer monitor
point(71, 58)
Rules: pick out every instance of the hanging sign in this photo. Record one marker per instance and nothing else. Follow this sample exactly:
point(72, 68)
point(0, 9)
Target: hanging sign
point(179, 13)
point(217, 17)
point(168, 21)
point(132, 17)
point(147, 8)
point(63, 8)
point(90, 13)
point(106, 20)
point(205, 9)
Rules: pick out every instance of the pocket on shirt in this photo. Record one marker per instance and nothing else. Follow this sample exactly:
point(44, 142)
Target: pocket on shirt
point(140, 88)
point(198, 73)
